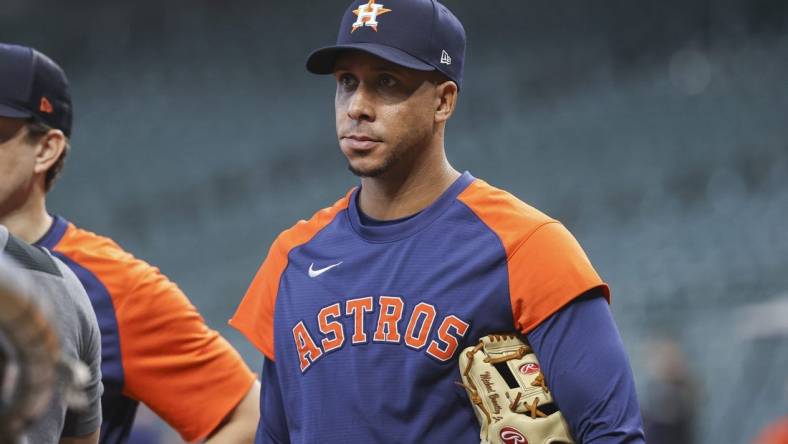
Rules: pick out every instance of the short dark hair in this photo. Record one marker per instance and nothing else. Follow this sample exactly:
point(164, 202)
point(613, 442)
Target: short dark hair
point(37, 130)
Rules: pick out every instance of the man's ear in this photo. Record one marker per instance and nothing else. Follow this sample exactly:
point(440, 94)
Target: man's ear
point(48, 150)
point(446, 93)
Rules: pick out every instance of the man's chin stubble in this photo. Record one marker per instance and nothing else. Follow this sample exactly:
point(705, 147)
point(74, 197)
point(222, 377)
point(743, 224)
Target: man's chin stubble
point(376, 172)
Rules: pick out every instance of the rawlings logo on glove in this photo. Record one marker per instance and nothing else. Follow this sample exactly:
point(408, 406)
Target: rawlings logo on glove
point(508, 393)
point(510, 435)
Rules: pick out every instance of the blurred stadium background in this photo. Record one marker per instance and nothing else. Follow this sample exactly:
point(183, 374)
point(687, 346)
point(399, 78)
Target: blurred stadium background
point(656, 131)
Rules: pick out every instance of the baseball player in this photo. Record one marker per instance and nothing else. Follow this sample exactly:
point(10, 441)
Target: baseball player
point(361, 310)
point(156, 348)
point(34, 392)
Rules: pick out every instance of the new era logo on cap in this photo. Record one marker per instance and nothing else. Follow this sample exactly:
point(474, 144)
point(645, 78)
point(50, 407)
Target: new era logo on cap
point(45, 106)
point(445, 59)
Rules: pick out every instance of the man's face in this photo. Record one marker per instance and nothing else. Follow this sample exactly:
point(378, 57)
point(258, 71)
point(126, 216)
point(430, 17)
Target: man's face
point(385, 113)
point(17, 163)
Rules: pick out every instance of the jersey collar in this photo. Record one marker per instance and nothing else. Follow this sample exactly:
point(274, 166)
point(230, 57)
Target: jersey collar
point(392, 232)
point(54, 234)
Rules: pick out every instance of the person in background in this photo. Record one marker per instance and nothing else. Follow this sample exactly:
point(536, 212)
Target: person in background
point(670, 403)
point(156, 348)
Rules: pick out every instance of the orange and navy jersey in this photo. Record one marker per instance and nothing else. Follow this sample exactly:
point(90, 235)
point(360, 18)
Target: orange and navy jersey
point(156, 348)
point(366, 318)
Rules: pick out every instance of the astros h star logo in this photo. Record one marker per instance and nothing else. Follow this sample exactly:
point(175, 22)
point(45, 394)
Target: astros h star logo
point(368, 15)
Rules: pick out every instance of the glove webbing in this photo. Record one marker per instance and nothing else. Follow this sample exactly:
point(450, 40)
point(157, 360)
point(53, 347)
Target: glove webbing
point(518, 354)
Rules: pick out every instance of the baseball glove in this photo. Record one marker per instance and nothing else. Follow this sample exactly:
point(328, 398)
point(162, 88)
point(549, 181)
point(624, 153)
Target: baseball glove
point(29, 353)
point(508, 393)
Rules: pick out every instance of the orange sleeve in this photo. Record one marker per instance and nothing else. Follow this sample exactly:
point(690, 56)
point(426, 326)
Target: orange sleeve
point(172, 362)
point(547, 271)
point(547, 268)
point(184, 371)
point(255, 315)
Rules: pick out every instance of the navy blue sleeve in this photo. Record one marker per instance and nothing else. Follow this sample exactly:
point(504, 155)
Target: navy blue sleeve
point(272, 428)
point(586, 367)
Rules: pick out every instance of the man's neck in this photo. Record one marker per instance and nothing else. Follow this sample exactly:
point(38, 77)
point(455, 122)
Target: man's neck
point(30, 222)
point(396, 196)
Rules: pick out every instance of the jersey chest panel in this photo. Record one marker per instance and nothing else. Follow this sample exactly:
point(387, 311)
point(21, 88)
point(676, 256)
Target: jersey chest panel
point(372, 330)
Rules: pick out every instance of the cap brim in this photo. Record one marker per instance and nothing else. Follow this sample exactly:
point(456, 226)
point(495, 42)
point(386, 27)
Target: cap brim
point(13, 112)
point(322, 60)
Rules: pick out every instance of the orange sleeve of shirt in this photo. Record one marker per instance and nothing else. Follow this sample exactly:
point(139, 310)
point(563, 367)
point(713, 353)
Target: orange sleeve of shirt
point(255, 315)
point(547, 268)
point(172, 362)
point(547, 271)
point(184, 371)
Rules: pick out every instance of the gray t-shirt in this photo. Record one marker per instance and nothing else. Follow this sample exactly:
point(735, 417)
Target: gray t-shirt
point(52, 280)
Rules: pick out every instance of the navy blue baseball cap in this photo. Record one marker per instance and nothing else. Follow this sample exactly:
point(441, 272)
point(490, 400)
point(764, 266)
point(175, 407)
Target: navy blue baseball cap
point(32, 85)
point(417, 34)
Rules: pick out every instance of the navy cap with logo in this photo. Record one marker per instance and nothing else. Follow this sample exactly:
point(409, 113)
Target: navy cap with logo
point(417, 34)
point(33, 86)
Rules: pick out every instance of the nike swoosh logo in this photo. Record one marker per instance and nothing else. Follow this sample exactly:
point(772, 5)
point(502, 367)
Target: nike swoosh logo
point(315, 273)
